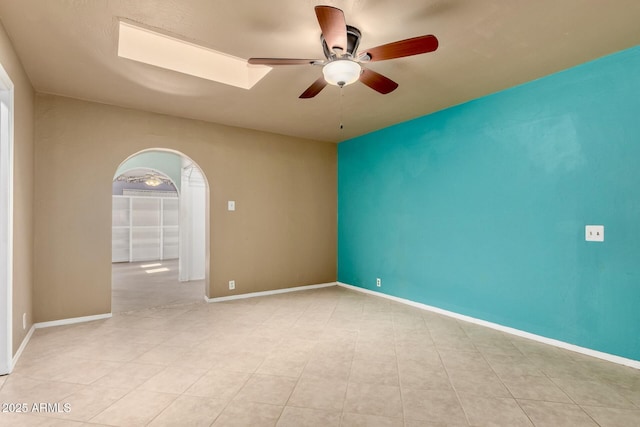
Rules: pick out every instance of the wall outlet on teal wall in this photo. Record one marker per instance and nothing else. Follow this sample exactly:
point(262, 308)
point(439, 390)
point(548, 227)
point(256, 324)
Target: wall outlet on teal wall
point(594, 233)
point(378, 282)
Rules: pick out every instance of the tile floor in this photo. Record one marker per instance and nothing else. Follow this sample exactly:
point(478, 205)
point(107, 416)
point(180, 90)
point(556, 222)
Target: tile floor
point(325, 357)
point(134, 289)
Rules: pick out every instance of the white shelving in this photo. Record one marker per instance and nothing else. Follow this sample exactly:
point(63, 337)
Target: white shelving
point(144, 228)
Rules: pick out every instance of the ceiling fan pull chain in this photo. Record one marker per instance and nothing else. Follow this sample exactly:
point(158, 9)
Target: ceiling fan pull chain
point(341, 99)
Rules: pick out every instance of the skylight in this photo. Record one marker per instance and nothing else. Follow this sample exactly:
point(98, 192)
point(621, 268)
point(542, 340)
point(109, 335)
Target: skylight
point(143, 45)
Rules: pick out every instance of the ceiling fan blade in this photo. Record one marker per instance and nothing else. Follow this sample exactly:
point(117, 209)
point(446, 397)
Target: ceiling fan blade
point(399, 49)
point(314, 89)
point(333, 26)
point(281, 61)
point(377, 81)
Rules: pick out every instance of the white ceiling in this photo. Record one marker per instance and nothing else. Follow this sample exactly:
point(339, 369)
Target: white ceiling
point(68, 47)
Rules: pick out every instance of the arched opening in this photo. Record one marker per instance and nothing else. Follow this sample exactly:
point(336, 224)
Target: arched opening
point(159, 231)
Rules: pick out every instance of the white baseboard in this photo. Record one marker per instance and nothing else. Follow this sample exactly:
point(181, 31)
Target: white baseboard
point(556, 343)
point(23, 345)
point(72, 321)
point(60, 322)
point(273, 292)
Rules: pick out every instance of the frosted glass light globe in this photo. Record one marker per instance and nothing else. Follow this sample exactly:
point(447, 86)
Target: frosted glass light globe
point(341, 72)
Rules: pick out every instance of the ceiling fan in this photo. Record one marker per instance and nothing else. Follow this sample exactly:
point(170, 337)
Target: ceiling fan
point(152, 179)
point(343, 63)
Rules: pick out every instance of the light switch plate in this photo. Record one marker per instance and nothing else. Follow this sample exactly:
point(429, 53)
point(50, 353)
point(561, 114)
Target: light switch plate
point(231, 205)
point(594, 233)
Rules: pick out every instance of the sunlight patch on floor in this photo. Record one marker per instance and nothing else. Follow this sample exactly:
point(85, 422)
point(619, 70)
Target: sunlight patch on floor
point(156, 270)
point(157, 264)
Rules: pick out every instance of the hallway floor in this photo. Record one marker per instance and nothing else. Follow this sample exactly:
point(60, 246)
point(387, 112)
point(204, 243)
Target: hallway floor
point(140, 285)
point(325, 357)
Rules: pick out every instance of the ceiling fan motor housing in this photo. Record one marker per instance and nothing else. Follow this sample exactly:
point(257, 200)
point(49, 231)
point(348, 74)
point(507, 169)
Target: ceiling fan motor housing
point(353, 41)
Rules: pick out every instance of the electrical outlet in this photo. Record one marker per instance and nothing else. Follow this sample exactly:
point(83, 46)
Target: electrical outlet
point(594, 233)
point(232, 285)
point(378, 282)
point(24, 321)
point(231, 205)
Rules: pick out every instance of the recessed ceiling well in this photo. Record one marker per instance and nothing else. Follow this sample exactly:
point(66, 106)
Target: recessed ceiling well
point(154, 48)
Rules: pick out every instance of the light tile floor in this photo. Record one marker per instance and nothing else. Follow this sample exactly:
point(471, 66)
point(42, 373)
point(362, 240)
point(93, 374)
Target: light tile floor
point(325, 357)
point(135, 287)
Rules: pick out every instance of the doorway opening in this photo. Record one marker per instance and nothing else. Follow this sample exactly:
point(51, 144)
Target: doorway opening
point(159, 231)
point(6, 221)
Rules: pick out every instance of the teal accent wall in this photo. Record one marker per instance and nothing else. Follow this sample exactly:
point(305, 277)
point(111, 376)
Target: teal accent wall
point(480, 209)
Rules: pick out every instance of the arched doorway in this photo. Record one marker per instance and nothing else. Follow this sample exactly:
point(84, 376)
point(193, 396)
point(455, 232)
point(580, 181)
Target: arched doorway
point(159, 239)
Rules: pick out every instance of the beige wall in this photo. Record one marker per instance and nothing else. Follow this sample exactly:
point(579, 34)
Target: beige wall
point(282, 234)
point(22, 189)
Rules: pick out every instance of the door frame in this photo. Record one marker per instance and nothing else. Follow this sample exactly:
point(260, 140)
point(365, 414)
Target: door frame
point(6, 221)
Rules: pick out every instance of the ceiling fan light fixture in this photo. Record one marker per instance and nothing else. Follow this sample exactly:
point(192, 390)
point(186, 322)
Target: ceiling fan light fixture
point(153, 181)
point(341, 72)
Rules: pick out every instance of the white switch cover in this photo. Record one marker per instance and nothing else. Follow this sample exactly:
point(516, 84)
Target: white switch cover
point(231, 205)
point(594, 233)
